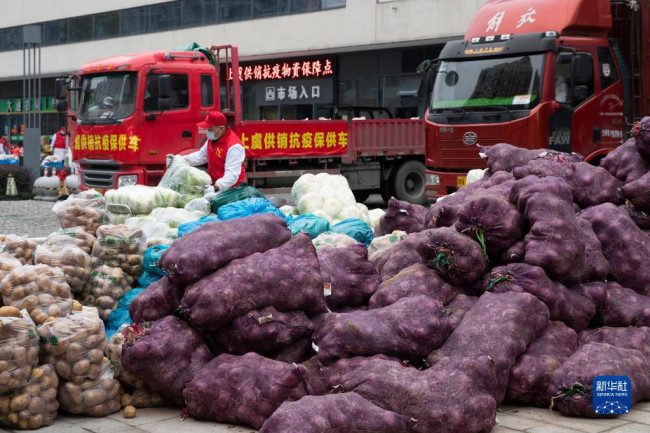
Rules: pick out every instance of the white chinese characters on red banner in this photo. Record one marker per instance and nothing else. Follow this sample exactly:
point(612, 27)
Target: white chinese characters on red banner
point(284, 71)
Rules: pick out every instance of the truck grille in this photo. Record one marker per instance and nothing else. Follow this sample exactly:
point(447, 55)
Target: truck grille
point(99, 173)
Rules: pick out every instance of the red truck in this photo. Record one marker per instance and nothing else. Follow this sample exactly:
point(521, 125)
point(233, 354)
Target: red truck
point(569, 75)
point(127, 112)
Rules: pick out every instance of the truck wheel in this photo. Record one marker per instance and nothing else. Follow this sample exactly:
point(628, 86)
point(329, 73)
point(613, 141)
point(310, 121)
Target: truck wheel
point(361, 195)
point(409, 182)
point(385, 190)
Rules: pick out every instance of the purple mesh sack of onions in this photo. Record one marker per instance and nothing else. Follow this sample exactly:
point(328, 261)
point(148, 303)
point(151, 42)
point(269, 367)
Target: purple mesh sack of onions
point(499, 325)
point(410, 329)
point(287, 278)
point(457, 396)
point(625, 246)
point(243, 389)
point(571, 385)
point(625, 162)
point(492, 220)
point(402, 215)
point(351, 277)
point(529, 377)
point(566, 305)
point(456, 257)
point(415, 280)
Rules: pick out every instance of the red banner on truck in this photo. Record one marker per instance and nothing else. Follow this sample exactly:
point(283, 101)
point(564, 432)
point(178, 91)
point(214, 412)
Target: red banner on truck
point(294, 138)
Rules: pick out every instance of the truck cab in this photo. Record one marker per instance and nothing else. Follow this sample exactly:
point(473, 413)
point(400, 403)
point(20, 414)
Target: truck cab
point(129, 111)
point(535, 74)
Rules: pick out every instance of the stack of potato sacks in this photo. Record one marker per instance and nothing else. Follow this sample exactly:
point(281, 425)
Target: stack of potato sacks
point(27, 390)
point(116, 264)
point(75, 346)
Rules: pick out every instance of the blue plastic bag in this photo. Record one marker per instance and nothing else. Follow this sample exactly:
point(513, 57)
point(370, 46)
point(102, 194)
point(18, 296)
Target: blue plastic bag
point(120, 316)
point(152, 257)
point(355, 228)
point(147, 278)
point(311, 224)
point(188, 227)
point(247, 207)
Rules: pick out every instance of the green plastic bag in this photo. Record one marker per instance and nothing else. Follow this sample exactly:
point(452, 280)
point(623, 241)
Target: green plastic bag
point(231, 195)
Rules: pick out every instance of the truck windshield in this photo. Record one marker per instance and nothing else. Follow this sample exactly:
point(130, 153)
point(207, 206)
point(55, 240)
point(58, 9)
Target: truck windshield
point(477, 84)
point(107, 98)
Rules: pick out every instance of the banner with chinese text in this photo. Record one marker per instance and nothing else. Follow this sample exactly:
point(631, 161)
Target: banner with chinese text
point(294, 138)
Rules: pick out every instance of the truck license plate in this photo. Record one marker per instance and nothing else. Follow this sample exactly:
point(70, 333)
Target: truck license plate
point(461, 181)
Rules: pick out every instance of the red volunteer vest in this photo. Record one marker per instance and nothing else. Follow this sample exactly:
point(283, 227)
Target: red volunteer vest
point(217, 151)
point(59, 141)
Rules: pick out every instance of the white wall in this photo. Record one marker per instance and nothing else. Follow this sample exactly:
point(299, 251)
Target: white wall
point(19, 12)
point(361, 24)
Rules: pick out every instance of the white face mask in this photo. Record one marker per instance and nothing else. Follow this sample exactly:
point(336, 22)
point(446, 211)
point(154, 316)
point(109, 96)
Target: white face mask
point(211, 135)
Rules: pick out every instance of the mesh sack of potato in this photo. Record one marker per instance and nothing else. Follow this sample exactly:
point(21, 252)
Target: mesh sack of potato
point(72, 260)
point(18, 348)
point(86, 209)
point(74, 345)
point(21, 248)
point(104, 289)
point(7, 263)
point(76, 236)
point(34, 405)
point(120, 247)
point(137, 392)
point(98, 397)
point(40, 289)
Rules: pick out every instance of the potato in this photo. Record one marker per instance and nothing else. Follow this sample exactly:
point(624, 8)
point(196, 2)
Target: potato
point(125, 400)
point(19, 402)
point(129, 412)
point(95, 396)
point(9, 311)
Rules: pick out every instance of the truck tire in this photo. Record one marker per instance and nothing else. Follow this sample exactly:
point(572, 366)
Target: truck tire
point(386, 190)
point(361, 195)
point(409, 183)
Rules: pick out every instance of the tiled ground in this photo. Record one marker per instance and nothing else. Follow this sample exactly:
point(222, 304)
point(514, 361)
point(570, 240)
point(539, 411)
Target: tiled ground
point(511, 419)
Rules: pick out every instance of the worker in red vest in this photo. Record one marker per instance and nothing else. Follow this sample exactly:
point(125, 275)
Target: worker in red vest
point(222, 151)
point(60, 143)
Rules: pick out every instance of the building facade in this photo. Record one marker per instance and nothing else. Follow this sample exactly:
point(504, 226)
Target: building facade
point(299, 58)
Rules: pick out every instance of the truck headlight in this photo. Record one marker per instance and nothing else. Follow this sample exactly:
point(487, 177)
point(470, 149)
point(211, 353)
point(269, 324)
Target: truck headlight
point(433, 179)
point(126, 180)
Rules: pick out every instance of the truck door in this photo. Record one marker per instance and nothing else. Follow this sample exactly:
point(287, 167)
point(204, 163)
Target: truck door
point(170, 130)
point(575, 126)
point(612, 107)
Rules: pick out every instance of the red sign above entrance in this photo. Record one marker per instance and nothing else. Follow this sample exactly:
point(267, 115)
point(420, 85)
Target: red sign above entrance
point(286, 70)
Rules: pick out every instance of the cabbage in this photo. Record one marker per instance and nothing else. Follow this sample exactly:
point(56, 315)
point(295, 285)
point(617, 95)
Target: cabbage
point(185, 179)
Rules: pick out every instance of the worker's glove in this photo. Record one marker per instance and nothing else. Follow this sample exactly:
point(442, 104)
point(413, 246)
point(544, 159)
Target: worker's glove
point(168, 160)
point(208, 189)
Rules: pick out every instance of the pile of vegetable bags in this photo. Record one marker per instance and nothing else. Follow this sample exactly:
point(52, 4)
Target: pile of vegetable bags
point(500, 293)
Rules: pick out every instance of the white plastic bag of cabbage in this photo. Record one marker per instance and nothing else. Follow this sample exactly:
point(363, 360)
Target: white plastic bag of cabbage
point(142, 199)
point(327, 196)
point(185, 179)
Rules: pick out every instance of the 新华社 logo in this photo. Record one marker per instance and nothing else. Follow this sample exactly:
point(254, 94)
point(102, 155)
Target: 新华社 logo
point(612, 395)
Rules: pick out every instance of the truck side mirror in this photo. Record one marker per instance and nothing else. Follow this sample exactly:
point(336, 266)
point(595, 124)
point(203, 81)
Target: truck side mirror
point(581, 67)
point(579, 94)
point(61, 88)
point(423, 67)
point(164, 98)
point(61, 105)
